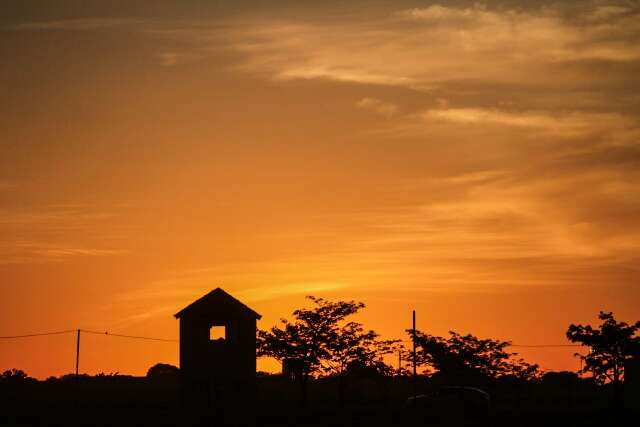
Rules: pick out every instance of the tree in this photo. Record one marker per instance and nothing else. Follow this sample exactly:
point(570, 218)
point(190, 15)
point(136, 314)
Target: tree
point(610, 346)
point(352, 347)
point(466, 358)
point(163, 372)
point(353, 350)
point(13, 376)
point(521, 369)
point(319, 343)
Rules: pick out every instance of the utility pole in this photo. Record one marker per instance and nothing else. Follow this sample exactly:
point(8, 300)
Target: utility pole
point(415, 373)
point(77, 354)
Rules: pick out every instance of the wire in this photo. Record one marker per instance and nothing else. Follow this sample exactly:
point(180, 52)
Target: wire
point(138, 337)
point(128, 336)
point(39, 334)
point(545, 345)
point(529, 345)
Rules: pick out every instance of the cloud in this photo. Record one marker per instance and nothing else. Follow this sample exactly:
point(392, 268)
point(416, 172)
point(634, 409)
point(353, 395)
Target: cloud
point(170, 59)
point(288, 289)
point(621, 129)
point(511, 112)
point(81, 24)
point(246, 279)
point(54, 217)
point(252, 283)
point(473, 177)
point(607, 12)
point(497, 229)
point(386, 109)
point(427, 47)
point(143, 314)
point(55, 233)
point(34, 252)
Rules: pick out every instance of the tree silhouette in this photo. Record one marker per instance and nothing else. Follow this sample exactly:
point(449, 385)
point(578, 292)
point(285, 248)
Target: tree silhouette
point(521, 369)
point(351, 346)
point(163, 371)
point(610, 346)
point(320, 344)
point(15, 379)
point(466, 358)
point(13, 376)
point(352, 349)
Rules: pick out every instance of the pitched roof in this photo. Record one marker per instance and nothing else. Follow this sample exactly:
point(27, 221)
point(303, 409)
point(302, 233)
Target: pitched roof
point(214, 301)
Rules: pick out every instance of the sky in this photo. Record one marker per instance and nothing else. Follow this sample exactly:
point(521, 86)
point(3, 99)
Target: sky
point(475, 161)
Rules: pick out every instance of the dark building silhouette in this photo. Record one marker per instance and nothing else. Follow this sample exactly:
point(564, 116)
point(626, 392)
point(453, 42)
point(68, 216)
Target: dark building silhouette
point(218, 340)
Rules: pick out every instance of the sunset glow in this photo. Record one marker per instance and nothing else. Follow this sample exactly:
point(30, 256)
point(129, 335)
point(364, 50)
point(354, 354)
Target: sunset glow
point(479, 163)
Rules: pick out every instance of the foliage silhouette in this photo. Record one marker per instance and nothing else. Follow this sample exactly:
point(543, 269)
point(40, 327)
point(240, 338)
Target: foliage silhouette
point(13, 375)
point(321, 343)
point(469, 359)
point(338, 351)
point(610, 346)
point(161, 371)
point(15, 378)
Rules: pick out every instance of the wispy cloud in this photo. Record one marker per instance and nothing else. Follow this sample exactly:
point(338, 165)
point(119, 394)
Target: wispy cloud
point(569, 124)
point(267, 281)
point(170, 59)
point(383, 108)
point(257, 281)
point(34, 252)
point(54, 233)
point(80, 24)
point(454, 43)
point(143, 314)
point(53, 217)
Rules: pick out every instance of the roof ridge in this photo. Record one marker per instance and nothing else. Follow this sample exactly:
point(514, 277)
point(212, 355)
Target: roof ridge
point(213, 293)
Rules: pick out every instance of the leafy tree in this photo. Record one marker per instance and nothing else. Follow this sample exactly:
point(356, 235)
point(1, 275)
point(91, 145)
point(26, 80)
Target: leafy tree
point(108, 375)
point(352, 347)
point(15, 378)
point(464, 358)
point(610, 346)
point(321, 343)
point(353, 350)
point(13, 375)
point(161, 371)
point(521, 369)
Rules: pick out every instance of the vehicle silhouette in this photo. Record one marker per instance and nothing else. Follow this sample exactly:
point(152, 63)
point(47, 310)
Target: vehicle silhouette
point(450, 404)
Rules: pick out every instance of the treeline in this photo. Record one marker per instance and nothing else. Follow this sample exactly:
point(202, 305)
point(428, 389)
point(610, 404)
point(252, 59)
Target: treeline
point(322, 341)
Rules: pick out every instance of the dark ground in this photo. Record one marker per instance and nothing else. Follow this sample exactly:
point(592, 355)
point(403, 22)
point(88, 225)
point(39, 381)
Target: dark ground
point(131, 401)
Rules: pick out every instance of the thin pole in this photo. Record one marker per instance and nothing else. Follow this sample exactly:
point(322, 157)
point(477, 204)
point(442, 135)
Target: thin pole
point(399, 362)
point(580, 371)
point(415, 373)
point(77, 353)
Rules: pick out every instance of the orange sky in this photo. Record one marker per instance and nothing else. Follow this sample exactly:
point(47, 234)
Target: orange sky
point(475, 162)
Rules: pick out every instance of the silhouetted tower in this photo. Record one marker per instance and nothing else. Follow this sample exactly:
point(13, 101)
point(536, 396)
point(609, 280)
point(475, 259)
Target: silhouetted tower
point(218, 339)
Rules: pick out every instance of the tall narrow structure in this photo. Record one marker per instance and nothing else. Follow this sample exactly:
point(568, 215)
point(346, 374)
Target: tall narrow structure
point(218, 339)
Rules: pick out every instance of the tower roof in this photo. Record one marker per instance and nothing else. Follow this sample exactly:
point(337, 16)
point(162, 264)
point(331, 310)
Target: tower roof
point(217, 301)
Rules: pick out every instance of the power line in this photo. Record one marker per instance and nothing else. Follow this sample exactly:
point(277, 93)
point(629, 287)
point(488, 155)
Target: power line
point(526, 345)
point(41, 334)
point(545, 345)
point(138, 337)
